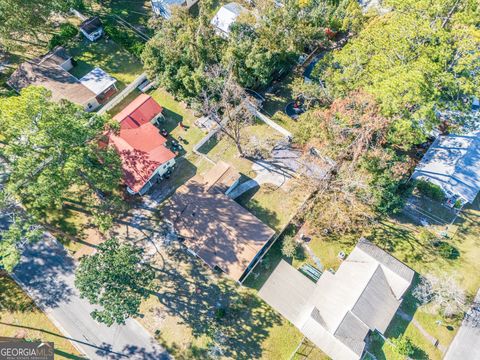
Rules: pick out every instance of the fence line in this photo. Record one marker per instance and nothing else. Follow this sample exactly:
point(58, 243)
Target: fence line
point(123, 94)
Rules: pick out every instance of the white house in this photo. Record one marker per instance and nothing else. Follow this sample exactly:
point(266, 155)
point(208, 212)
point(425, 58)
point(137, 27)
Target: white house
point(92, 28)
point(225, 17)
point(453, 163)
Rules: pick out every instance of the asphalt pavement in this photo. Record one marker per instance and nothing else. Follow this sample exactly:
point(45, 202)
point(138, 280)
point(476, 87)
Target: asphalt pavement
point(46, 272)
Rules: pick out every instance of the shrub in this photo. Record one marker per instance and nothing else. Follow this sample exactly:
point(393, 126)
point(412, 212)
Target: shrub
point(289, 246)
point(404, 346)
point(67, 32)
point(430, 190)
point(447, 251)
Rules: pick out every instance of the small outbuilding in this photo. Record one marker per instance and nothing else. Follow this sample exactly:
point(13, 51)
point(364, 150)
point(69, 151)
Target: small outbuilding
point(92, 28)
point(100, 83)
point(453, 163)
point(225, 17)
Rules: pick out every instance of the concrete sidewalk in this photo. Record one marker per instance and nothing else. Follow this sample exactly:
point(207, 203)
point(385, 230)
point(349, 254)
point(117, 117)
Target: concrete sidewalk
point(46, 272)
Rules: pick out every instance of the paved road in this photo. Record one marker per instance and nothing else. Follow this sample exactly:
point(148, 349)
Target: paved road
point(46, 271)
point(466, 344)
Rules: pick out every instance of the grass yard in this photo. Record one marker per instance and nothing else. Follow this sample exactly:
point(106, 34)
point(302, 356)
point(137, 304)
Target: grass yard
point(174, 113)
point(195, 313)
point(277, 99)
point(224, 148)
point(107, 55)
point(274, 206)
point(403, 239)
point(20, 318)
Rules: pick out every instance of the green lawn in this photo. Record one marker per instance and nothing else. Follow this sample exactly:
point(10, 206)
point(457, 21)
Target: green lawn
point(136, 12)
point(107, 55)
point(19, 317)
point(276, 101)
point(174, 113)
point(402, 238)
point(194, 310)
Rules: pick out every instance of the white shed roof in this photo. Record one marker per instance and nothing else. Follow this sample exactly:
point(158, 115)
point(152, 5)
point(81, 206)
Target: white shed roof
point(453, 163)
point(226, 16)
point(97, 81)
point(338, 312)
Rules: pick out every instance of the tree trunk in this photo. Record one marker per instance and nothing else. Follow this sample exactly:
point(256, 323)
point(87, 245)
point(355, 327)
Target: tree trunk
point(239, 149)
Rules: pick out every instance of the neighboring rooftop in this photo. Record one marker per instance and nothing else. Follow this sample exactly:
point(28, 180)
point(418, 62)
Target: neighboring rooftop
point(47, 71)
point(163, 7)
point(90, 25)
point(50, 72)
point(226, 16)
point(339, 311)
point(142, 150)
point(453, 163)
point(216, 228)
point(97, 81)
point(140, 111)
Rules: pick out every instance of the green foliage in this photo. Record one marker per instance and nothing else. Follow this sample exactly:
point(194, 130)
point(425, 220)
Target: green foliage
point(22, 230)
point(53, 150)
point(430, 190)
point(127, 38)
point(185, 47)
point(403, 346)
point(414, 60)
point(179, 53)
point(117, 279)
point(446, 250)
point(27, 17)
point(67, 32)
point(289, 246)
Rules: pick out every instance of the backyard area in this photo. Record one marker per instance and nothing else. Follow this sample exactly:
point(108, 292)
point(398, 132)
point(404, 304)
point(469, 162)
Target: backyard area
point(107, 55)
point(410, 243)
point(195, 312)
point(20, 318)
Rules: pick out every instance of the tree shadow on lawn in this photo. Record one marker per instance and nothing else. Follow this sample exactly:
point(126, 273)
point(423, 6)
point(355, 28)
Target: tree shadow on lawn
point(63, 354)
point(266, 215)
point(403, 243)
point(12, 298)
point(235, 319)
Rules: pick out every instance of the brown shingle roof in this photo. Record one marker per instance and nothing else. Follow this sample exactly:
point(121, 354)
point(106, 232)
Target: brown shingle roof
point(47, 72)
point(219, 230)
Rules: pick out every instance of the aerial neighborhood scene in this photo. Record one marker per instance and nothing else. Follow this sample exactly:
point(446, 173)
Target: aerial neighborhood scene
point(258, 179)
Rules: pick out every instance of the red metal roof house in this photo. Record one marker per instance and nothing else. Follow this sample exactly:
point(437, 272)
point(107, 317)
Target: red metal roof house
point(145, 158)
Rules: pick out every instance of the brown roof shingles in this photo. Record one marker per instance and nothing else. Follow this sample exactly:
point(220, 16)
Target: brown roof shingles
point(218, 229)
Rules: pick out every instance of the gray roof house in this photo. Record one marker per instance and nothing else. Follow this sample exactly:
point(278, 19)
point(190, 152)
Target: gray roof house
point(339, 311)
point(453, 163)
point(163, 8)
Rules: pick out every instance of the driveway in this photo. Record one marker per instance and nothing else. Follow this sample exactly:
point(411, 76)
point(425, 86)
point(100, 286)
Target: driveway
point(465, 345)
point(46, 272)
